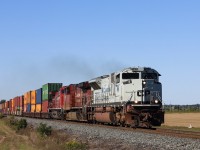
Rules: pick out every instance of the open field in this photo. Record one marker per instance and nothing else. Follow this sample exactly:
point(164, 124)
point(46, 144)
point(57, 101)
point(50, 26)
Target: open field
point(182, 119)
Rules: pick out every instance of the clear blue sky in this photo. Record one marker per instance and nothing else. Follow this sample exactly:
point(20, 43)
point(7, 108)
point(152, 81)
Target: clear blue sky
point(72, 41)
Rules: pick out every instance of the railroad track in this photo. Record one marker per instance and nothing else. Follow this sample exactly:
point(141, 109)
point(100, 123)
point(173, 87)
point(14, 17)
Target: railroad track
point(168, 132)
point(160, 131)
point(179, 133)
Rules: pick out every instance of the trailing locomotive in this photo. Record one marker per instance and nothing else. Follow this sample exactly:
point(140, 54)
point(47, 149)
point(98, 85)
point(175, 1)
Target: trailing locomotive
point(130, 97)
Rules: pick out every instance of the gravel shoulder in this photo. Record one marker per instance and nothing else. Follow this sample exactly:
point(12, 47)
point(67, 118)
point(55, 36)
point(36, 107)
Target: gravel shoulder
point(107, 138)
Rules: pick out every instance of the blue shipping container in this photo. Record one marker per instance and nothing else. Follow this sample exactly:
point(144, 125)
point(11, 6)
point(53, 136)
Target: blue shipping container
point(28, 108)
point(39, 96)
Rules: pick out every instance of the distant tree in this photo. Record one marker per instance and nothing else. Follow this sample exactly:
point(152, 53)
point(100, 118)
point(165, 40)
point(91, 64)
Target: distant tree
point(182, 108)
point(2, 101)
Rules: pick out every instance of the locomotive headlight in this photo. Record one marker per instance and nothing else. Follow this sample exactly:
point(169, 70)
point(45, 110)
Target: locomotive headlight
point(136, 101)
point(156, 101)
point(144, 84)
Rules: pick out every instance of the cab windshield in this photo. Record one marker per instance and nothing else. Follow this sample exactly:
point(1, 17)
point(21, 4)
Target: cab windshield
point(149, 76)
point(130, 75)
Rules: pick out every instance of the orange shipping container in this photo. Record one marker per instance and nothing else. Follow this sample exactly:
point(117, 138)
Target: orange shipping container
point(38, 107)
point(27, 98)
point(33, 108)
point(33, 97)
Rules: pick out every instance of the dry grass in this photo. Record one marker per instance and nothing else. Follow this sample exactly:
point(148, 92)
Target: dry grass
point(182, 119)
point(29, 139)
point(9, 140)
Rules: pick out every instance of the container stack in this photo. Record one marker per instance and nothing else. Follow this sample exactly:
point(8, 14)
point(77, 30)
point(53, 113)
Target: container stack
point(6, 107)
point(38, 106)
point(14, 105)
point(48, 92)
point(33, 100)
point(20, 105)
point(27, 102)
point(11, 106)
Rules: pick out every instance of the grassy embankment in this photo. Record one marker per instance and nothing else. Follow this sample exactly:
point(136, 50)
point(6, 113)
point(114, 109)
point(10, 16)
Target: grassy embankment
point(31, 139)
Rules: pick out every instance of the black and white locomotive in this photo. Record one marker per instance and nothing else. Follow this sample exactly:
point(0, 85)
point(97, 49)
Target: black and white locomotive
point(131, 97)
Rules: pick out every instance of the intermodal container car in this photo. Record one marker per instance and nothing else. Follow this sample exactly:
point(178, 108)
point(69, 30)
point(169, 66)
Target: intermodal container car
point(38, 108)
point(27, 97)
point(45, 106)
point(21, 101)
point(28, 108)
point(49, 90)
point(33, 97)
point(39, 96)
point(33, 108)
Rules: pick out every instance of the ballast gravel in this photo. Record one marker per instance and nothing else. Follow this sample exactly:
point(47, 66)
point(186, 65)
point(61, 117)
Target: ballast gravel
point(114, 137)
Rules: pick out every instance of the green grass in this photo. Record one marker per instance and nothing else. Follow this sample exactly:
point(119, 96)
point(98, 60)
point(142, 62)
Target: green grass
point(74, 145)
point(44, 130)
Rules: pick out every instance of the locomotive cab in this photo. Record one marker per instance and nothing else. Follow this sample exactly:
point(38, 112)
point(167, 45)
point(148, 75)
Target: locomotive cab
point(141, 87)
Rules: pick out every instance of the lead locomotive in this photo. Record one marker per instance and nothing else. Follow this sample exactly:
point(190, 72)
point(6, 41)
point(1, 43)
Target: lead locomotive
point(131, 97)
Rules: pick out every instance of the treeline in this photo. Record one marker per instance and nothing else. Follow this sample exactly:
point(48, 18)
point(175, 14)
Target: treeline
point(2, 101)
point(182, 108)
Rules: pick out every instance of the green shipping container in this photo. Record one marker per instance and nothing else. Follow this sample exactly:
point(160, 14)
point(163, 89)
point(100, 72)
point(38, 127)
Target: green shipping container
point(49, 89)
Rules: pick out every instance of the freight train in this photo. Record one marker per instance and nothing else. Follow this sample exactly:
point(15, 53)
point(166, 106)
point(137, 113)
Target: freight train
point(130, 97)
